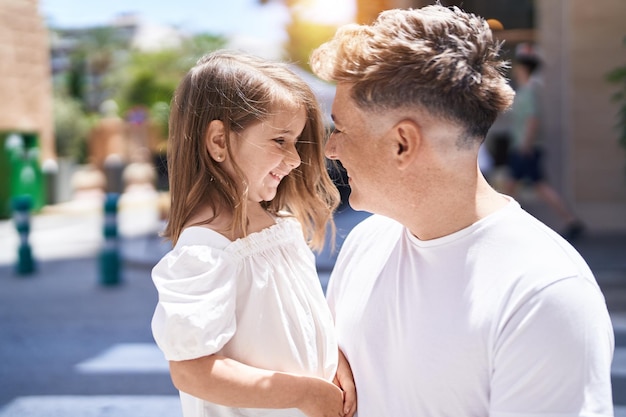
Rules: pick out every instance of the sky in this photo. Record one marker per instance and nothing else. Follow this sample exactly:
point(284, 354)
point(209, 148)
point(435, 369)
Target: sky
point(224, 17)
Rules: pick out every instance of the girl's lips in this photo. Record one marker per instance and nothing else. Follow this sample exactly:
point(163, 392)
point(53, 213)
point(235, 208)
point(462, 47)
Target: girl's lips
point(277, 177)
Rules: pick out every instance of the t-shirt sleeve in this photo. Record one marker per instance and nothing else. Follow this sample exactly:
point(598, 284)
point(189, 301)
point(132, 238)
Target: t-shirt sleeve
point(553, 356)
point(195, 313)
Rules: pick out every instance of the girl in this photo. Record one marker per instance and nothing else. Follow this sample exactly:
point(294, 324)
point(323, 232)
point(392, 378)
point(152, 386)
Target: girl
point(241, 314)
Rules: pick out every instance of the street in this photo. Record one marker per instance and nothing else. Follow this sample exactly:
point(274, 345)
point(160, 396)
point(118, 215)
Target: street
point(72, 346)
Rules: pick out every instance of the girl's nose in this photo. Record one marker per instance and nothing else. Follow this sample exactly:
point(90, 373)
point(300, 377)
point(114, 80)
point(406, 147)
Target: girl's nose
point(292, 158)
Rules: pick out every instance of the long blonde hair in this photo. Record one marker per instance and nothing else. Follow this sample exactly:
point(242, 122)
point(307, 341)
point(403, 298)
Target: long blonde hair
point(240, 90)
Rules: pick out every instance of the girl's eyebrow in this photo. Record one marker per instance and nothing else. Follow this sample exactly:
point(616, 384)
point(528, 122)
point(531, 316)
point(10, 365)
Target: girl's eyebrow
point(284, 131)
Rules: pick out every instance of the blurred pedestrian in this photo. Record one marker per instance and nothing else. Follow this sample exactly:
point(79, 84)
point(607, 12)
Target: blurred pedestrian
point(450, 300)
point(526, 151)
point(241, 314)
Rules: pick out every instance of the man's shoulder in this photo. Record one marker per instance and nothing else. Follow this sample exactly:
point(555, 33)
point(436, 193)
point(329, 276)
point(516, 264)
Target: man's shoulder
point(364, 253)
point(374, 231)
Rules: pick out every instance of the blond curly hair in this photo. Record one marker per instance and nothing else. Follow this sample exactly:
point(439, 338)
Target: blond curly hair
point(440, 59)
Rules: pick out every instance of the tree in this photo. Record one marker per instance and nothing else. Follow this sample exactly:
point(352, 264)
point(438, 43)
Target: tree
point(147, 78)
point(101, 65)
point(71, 126)
point(304, 37)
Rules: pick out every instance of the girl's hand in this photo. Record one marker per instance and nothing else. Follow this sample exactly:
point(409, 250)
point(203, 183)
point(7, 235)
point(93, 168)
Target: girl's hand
point(345, 380)
point(322, 399)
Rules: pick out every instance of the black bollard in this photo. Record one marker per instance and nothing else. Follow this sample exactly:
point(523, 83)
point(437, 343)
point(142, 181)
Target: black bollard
point(21, 216)
point(110, 260)
point(50, 170)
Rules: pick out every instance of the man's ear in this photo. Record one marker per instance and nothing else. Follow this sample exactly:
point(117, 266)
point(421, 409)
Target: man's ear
point(408, 138)
point(215, 140)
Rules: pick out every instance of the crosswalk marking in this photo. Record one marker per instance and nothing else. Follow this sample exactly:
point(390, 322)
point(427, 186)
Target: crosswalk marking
point(147, 358)
point(127, 358)
point(111, 405)
point(94, 406)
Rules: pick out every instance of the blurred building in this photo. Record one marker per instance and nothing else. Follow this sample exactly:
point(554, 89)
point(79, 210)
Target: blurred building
point(25, 86)
point(26, 125)
point(581, 41)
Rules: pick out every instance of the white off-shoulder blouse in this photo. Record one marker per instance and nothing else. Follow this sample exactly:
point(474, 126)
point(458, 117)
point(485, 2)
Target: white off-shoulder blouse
point(257, 300)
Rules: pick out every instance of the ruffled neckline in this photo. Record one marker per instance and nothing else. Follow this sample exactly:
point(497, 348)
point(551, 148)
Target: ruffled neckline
point(284, 230)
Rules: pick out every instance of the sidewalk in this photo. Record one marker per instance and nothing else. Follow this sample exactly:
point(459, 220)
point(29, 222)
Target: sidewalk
point(76, 231)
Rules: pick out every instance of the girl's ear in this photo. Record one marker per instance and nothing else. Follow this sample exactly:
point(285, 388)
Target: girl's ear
point(215, 140)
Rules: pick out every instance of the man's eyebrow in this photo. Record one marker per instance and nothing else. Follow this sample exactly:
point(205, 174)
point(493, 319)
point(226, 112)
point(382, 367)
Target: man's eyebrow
point(333, 118)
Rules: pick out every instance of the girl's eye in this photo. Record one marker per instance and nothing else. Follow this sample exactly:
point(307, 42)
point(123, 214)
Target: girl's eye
point(280, 141)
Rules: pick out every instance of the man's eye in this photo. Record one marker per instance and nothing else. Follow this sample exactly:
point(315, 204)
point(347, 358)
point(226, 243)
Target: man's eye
point(336, 131)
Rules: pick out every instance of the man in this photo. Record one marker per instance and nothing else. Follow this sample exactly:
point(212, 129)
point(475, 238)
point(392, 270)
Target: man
point(525, 160)
point(450, 300)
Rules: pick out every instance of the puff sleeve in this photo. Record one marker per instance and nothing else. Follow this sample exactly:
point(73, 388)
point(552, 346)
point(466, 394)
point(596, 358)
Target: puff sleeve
point(195, 313)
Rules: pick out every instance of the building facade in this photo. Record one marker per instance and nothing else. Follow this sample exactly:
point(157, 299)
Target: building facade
point(25, 80)
point(26, 120)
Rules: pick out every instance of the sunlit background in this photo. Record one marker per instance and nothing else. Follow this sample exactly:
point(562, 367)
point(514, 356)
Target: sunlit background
point(253, 21)
point(64, 62)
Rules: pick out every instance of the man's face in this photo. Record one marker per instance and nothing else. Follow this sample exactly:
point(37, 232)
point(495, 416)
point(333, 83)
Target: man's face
point(358, 143)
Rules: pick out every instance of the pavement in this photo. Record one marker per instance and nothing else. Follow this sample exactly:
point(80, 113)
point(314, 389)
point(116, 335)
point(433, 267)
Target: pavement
point(67, 287)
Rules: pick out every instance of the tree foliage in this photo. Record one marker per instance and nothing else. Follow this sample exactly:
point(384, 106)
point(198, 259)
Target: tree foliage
point(304, 35)
point(146, 78)
point(102, 65)
point(71, 126)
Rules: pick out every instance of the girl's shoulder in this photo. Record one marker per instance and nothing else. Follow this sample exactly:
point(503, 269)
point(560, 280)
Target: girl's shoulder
point(202, 235)
point(199, 250)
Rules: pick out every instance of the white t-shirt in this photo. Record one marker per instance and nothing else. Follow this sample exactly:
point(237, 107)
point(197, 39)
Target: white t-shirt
point(257, 300)
point(501, 319)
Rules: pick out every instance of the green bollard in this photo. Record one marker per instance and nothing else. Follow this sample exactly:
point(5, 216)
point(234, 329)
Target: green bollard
point(21, 216)
point(110, 260)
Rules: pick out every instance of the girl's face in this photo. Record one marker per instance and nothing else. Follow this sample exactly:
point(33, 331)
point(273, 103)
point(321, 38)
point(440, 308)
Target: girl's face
point(266, 152)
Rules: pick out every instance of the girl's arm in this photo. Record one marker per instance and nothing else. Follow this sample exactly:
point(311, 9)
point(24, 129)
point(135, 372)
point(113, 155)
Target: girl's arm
point(224, 381)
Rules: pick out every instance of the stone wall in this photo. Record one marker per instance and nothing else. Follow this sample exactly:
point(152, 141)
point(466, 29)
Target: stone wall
point(25, 79)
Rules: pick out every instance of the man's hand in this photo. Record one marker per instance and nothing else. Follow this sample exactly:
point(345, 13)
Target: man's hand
point(345, 380)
